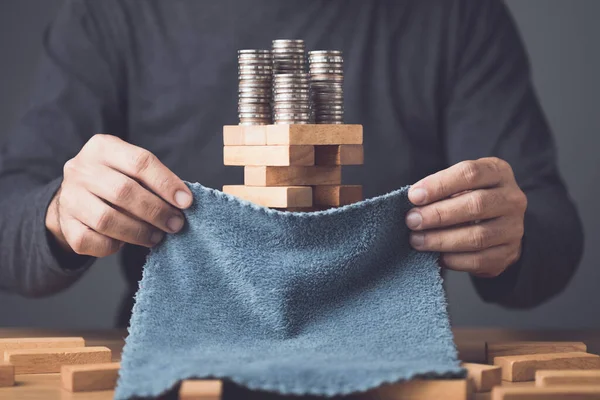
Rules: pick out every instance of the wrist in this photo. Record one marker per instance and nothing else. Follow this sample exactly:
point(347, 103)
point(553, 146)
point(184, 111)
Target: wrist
point(53, 226)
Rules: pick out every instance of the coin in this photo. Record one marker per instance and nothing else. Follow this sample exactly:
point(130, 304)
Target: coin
point(325, 53)
point(291, 106)
point(254, 115)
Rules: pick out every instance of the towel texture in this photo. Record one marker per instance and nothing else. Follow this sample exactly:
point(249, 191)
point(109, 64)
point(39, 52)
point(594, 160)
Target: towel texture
point(322, 303)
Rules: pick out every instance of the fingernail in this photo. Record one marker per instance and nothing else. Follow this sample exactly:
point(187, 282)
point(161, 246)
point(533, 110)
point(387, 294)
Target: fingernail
point(417, 195)
point(414, 219)
point(417, 239)
point(156, 237)
point(175, 224)
point(183, 199)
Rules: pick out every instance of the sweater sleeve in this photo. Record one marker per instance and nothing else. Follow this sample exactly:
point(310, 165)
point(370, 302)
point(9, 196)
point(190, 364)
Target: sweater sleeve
point(492, 110)
point(75, 96)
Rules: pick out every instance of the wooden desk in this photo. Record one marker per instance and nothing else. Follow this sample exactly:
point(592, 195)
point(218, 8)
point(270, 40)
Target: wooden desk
point(471, 344)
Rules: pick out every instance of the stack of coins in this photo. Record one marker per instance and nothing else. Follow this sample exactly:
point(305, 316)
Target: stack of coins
point(255, 73)
point(291, 99)
point(327, 80)
point(289, 56)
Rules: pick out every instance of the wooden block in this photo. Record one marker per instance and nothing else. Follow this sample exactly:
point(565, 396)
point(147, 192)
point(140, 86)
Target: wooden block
point(563, 392)
point(7, 374)
point(568, 377)
point(447, 389)
point(305, 209)
point(522, 368)
point(269, 155)
point(345, 154)
point(89, 377)
point(314, 134)
point(498, 349)
point(41, 343)
point(200, 390)
point(292, 176)
point(276, 196)
point(484, 376)
point(42, 361)
point(239, 135)
point(337, 195)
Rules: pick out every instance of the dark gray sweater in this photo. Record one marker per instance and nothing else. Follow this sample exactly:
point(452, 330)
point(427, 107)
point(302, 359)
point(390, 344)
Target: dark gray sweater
point(433, 82)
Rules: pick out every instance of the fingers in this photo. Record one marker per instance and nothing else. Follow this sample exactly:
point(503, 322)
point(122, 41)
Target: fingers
point(130, 196)
point(470, 206)
point(104, 219)
point(144, 167)
point(466, 175)
point(471, 237)
point(85, 241)
point(488, 263)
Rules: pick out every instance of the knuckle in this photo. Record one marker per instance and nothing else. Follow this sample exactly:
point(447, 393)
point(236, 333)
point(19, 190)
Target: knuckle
point(142, 234)
point(497, 164)
point(164, 184)
point(480, 238)
point(470, 171)
point(70, 167)
point(521, 200)
point(79, 242)
point(154, 211)
point(104, 220)
point(476, 204)
point(123, 190)
point(478, 263)
point(142, 161)
point(96, 141)
point(438, 216)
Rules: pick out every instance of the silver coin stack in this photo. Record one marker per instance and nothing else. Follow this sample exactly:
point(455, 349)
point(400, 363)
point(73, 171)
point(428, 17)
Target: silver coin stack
point(255, 73)
point(291, 99)
point(289, 56)
point(326, 82)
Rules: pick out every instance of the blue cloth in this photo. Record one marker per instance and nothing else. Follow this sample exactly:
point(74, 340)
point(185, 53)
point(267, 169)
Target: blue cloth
point(322, 303)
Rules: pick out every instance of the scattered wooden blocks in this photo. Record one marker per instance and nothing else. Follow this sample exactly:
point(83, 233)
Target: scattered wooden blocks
point(89, 377)
point(345, 154)
point(566, 392)
point(7, 374)
point(484, 377)
point(447, 389)
point(314, 134)
point(41, 343)
point(569, 377)
point(337, 195)
point(499, 349)
point(523, 367)
point(275, 196)
point(292, 176)
point(269, 155)
point(40, 361)
point(200, 390)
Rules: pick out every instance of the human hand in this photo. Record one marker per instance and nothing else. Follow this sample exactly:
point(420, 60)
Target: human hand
point(114, 193)
point(472, 213)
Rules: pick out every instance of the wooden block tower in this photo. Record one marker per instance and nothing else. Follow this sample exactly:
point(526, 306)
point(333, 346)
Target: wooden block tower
point(294, 167)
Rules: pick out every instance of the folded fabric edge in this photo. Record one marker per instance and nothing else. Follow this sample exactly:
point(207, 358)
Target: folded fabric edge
point(453, 373)
point(302, 214)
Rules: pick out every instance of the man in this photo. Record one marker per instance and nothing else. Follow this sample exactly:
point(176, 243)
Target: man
point(442, 88)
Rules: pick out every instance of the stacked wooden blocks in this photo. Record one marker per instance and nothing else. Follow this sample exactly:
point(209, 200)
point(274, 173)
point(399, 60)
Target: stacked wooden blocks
point(294, 167)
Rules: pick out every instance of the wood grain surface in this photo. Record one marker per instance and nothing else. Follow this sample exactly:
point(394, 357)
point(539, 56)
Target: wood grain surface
point(523, 367)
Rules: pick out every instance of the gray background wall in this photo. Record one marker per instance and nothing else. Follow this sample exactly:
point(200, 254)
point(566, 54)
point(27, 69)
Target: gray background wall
point(562, 39)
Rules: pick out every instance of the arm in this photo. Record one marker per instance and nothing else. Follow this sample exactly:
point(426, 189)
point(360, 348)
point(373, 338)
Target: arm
point(492, 110)
point(75, 96)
